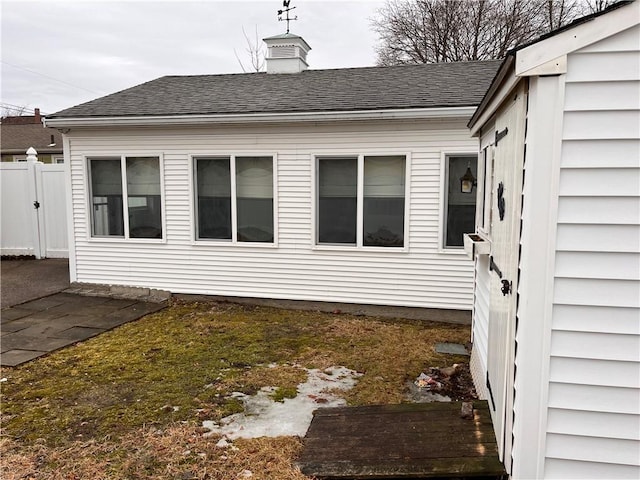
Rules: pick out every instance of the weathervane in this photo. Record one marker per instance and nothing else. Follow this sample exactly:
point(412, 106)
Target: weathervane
point(286, 10)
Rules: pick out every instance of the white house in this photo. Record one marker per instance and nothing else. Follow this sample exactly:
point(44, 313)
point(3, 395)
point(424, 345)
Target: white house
point(556, 320)
point(328, 185)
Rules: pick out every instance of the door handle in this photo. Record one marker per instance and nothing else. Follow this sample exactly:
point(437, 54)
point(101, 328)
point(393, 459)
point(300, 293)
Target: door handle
point(506, 287)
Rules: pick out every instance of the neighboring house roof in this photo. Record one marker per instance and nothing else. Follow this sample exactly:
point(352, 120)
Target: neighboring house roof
point(16, 139)
point(460, 84)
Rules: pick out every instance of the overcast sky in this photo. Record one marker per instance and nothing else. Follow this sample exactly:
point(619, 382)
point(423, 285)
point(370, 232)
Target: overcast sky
point(60, 53)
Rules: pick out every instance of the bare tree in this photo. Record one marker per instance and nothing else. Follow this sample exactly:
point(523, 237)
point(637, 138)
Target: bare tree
point(595, 6)
point(255, 51)
point(431, 31)
point(13, 111)
point(559, 12)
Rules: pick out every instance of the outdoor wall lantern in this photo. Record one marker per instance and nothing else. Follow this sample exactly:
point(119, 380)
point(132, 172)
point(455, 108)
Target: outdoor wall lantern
point(467, 181)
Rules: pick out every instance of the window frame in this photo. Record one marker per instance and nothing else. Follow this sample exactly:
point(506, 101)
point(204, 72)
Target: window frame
point(315, 208)
point(193, 199)
point(487, 153)
point(485, 186)
point(444, 191)
point(125, 200)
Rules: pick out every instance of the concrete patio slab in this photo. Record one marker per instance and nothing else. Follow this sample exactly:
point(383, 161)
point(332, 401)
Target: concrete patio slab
point(79, 333)
point(14, 314)
point(13, 358)
point(40, 326)
point(17, 341)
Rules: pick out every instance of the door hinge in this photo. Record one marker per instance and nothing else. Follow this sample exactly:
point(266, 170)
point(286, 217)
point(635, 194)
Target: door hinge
point(36, 204)
point(500, 135)
point(493, 266)
point(493, 402)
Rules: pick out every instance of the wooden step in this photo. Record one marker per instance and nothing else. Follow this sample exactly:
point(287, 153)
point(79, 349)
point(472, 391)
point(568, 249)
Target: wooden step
point(427, 440)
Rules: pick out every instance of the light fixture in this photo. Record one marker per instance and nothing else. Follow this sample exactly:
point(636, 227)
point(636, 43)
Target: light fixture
point(467, 181)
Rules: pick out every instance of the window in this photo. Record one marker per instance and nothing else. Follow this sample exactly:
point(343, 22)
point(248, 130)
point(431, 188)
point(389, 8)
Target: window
point(57, 160)
point(19, 158)
point(246, 216)
point(460, 208)
point(139, 178)
point(369, 188)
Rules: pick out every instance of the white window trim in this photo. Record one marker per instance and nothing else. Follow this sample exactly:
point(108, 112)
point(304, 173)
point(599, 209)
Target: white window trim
point(58, 159)
point(125, 202)
point(444, 171)
point(360, 205)
point(19, 158)
point(483, 197)
point(234, 243)
point(485, 174)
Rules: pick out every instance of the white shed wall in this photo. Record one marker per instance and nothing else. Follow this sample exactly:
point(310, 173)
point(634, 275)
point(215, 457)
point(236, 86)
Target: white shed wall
point(421, 276)
point(593, 424)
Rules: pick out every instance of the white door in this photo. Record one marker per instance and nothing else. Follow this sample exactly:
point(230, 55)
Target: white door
point(506, 207)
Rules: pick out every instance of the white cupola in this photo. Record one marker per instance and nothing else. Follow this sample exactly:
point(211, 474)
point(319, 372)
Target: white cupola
point(286, 53)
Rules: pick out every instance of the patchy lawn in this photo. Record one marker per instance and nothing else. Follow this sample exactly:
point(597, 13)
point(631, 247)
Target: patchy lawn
point(130, 403)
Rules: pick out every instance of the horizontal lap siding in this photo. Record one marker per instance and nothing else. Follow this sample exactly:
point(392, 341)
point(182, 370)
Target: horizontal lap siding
point(421, 277)
point(478, 362)
point(575, 470)
point(594, 393)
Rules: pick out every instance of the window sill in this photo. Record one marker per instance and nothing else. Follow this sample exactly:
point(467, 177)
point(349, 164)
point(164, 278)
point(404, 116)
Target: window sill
point(229, 244)
point(452, 250)
point(127, 240)
point(352, 248)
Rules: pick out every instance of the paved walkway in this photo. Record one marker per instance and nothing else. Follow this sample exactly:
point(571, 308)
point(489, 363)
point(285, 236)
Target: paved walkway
point(35, 328)
point(26, 279)
point(41, 313)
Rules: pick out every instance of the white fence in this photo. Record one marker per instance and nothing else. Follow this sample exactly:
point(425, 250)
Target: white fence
point(33, 210)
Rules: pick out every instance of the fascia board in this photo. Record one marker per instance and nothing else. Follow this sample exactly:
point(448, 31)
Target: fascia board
point(506, 88)
point(576, 38)
point(399, 114)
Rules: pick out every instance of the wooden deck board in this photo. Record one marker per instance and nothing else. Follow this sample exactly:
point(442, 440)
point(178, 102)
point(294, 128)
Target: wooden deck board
point(401, 441)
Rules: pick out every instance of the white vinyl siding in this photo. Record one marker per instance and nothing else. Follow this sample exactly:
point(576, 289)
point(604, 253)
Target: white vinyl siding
point(593, 426)
point(480, 338)
point(419, 276)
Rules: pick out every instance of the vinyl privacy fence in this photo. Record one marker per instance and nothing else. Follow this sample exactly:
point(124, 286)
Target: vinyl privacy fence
point(33, 210)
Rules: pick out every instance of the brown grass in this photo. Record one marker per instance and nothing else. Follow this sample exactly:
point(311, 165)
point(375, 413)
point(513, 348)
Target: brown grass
point(177, 452)
point(104, 408)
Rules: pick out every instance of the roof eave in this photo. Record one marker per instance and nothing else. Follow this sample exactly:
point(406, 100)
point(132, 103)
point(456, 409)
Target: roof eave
point(170, 120)
point(504, 73)
point(531, 59)
point(584, 32)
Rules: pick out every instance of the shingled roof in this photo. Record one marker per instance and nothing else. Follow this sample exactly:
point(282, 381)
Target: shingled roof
point(15, 139)
point(460, 84)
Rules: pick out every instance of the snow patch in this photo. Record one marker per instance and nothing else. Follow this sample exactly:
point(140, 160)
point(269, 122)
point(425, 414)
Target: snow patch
point(263, 417)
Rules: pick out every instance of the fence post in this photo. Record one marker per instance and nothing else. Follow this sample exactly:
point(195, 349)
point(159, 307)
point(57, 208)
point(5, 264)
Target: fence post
point(36, 223)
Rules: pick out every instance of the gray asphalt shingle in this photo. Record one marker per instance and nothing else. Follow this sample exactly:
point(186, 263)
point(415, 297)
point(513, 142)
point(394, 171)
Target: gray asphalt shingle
point(370, 88)
point(17, 138)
